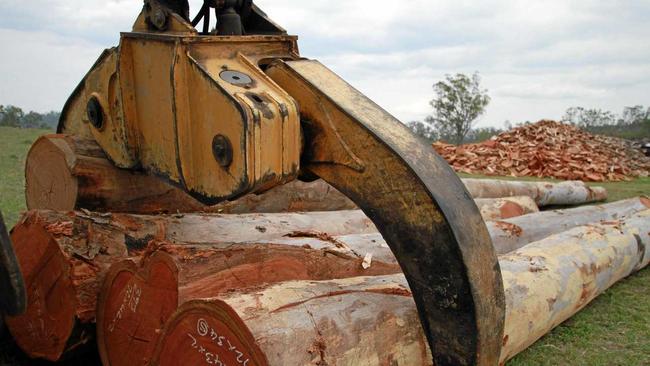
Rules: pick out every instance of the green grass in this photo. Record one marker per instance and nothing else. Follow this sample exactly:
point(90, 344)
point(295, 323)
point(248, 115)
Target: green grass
point(613, 330)
point(14, 145)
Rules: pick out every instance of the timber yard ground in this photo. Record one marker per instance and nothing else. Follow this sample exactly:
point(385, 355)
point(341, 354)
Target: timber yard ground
point(613, 330)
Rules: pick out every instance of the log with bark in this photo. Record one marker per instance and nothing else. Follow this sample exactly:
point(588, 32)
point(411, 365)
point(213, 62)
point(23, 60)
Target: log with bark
point(135, 301)
point(544, 193)
point(64, 256)
point(373, 320)
point(65, 173)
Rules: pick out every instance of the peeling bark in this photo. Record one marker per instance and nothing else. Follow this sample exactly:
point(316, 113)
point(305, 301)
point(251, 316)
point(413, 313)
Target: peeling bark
point(511, 234)
point(373, 320)
point(127, 334)
point(505, 208)
point(548, 281)
point(357, 321)
point(64, 256)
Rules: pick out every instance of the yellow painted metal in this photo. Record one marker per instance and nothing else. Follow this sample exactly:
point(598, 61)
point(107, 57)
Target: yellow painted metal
point(164, 102)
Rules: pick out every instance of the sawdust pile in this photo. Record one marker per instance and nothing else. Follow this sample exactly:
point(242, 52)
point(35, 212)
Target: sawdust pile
point(549, 149)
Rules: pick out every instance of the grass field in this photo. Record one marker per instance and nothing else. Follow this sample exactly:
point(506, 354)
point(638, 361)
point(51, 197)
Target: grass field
point(613, 330)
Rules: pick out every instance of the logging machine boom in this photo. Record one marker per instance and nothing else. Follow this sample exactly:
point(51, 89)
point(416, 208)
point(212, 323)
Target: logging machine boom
point(235, 110)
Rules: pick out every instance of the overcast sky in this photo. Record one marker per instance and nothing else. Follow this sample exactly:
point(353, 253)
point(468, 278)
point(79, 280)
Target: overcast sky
point(536, 58)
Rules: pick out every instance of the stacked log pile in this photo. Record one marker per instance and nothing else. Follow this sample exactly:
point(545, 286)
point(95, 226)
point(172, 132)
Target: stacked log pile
point(156, 278)
point(65, 173)
point(549, 149)
point(371, 319)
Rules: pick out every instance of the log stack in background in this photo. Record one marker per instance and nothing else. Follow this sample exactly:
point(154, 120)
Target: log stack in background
point(254, 281)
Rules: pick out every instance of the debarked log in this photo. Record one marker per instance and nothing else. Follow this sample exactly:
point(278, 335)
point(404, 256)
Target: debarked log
point(135, 301)
point(63, 258)
point(511, 234)
point(544, 193)
point(373, 320)
point(505, 208)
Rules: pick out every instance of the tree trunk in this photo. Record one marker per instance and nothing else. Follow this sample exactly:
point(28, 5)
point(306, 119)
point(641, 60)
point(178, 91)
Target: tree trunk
point(356, 321)
point(64, 256)
point(373, 320)
point(544, 193)
point(291, 197)
point(549, 281)
point(511, 234)
point(505, 208)
point(136, 301)
point(65, 173)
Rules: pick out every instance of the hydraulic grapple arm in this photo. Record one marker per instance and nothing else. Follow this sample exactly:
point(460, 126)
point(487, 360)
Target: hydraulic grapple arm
point(222, 116)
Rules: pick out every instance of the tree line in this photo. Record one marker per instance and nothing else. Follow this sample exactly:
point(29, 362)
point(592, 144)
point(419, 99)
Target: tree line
point(12, 116)
point(459, 100)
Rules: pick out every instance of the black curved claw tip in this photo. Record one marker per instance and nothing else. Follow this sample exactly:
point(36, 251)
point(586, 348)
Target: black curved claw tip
point(12, 286)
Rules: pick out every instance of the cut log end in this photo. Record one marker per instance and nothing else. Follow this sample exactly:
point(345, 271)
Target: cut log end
point(207, 332)
point(135, 302)
point(49, 181)
point(645, 201)
point(43, 330)
point(511, 209)
point(131, 309)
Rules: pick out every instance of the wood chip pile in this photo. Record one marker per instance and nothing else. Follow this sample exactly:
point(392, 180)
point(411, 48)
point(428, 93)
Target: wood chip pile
point(549, 149)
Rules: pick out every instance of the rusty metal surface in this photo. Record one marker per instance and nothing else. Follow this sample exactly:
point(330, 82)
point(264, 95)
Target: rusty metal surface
point(418, 204)
point(166, 98)
point(12, 285)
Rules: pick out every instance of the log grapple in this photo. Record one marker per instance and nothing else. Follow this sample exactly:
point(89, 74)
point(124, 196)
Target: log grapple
point(235, 110)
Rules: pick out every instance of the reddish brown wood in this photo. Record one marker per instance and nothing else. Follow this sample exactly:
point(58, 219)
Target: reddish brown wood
point(355, 321)
point(135, 303)
point(65, 173)
point(64, 257)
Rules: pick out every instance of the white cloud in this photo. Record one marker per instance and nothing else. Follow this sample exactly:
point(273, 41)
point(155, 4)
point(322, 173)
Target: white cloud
point(536, 57)
point(39, 69)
